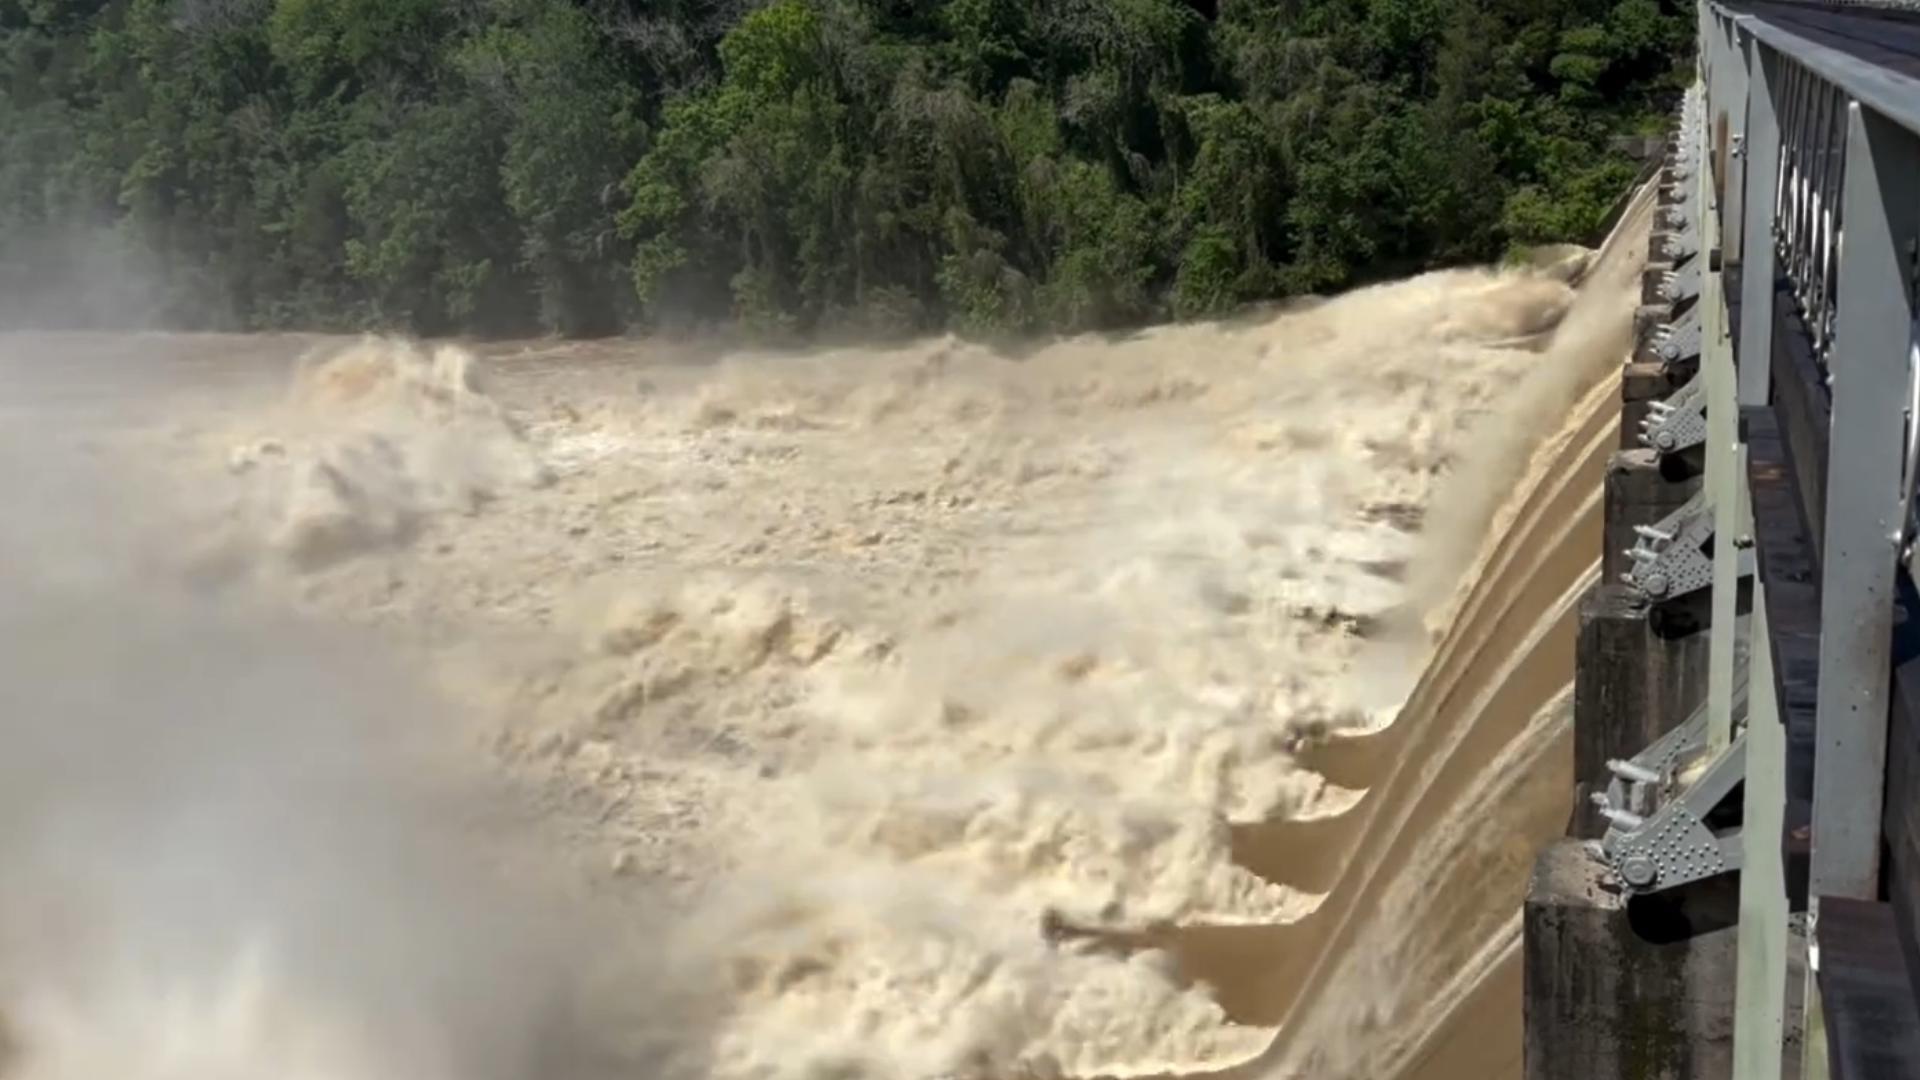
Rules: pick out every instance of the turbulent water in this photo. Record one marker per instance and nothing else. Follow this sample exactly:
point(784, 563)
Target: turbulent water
point(387, 710)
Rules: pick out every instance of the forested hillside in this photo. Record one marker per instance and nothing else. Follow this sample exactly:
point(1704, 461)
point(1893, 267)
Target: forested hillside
point(585, 166)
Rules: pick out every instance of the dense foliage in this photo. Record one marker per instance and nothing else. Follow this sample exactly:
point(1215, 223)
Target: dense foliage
point(499, 166)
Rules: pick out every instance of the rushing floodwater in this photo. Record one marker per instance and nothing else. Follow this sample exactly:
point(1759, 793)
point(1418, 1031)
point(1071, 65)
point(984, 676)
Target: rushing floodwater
point(914, 712)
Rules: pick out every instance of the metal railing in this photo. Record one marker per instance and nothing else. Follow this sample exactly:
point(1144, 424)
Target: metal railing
point(1819, 190)
point(1819, 195)
point(1811, 175)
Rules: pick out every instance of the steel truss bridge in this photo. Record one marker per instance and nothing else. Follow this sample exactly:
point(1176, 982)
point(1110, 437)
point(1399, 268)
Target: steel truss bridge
point(1781, 332)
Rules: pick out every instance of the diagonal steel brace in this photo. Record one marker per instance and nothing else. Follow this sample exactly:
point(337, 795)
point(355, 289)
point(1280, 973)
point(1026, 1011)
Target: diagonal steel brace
point(1682, 284)
point(1682, 243)
point(1670, 558)
point(1680, 422)
point(1658, 835)
point(1680, 340)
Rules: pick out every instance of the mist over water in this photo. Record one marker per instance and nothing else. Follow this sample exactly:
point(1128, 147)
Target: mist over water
point(379, 711)
point(236, 843)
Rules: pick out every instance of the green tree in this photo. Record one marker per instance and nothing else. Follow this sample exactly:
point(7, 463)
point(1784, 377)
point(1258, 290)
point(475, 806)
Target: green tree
point(997, 166)
point(574, 126)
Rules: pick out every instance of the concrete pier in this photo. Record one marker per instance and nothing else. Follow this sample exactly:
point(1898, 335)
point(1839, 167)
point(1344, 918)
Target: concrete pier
point(1639, 672)
point(1621, 986)
point(1647, 318)
point(1652, 280)
point(1640, 490)
point(1643, 382)
point(1619, 990)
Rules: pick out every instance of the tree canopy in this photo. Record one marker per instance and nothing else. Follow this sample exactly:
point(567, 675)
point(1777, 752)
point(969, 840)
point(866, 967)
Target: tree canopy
point(996, 166)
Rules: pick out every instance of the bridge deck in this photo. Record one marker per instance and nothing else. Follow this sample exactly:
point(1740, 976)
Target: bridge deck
point(1873, 1027)
point(1882, 37)
point(1872, 53)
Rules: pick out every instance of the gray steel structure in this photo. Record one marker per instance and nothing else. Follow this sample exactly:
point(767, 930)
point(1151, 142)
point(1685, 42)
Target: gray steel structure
point(1806, 131)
